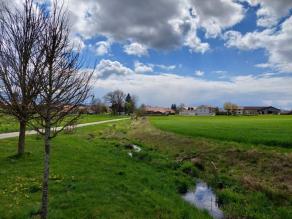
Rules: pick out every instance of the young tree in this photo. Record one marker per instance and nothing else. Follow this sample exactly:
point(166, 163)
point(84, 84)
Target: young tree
point(116, 99)
point(21, 61)
point(63, 88)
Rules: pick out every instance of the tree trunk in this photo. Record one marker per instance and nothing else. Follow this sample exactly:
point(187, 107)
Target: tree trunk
point(44, 206)
point(21, 138)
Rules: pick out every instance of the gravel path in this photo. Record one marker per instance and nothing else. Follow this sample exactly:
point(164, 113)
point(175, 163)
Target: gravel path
point(15, 134)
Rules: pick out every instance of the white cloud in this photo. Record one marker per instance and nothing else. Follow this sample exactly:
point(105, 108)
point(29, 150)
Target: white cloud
point(199, 73)
point(142, 68)
point(103, 47)
point(277, 43)
point(108, 68)
point(136, 49)
point(217, 15)
point(270, 11)
point(165, 89)
point(164, 67)
point(195, 44)
point(158, 24)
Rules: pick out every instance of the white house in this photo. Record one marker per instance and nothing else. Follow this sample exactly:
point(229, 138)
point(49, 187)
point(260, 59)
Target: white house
point(202, 110)
point(205, 110)
point(188, 111)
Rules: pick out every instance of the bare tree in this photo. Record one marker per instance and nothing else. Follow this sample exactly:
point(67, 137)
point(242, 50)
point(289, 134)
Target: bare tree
point(21, 59)
point(63, 88)
point(230, 108)
point(97, 106)
point(116, 99)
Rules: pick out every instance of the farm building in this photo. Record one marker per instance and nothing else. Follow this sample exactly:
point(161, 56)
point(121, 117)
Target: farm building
point(149, 110)
point(256, 110)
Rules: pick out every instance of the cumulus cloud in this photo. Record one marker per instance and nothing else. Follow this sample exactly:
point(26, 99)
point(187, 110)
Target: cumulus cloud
point(199, 73)
point(136, 49)
point(270, 11)
point(108, 68)
point(216, 15)
point(103, 47)
point(141, 68)
point(158, 24)
point(277, 42)
point(165, 89)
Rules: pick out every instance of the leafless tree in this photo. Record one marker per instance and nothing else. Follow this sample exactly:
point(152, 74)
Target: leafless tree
point(97, 106)
point(63, 88)
point(21, 60)
point(116, 99)
point(230, 108)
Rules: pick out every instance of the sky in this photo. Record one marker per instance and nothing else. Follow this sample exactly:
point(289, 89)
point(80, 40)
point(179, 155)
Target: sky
point(187, 51)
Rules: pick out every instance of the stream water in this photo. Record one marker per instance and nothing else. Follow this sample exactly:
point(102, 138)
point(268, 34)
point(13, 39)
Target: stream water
point(204, 198)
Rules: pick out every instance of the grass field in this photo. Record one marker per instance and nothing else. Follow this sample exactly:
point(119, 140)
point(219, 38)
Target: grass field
point(92, 176)
point(10, 124)
point(251, 181)
point(267, 130)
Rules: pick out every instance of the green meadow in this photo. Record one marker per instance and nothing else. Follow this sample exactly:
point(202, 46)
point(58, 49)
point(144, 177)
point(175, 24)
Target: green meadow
point(267, 130)
point(93, 176)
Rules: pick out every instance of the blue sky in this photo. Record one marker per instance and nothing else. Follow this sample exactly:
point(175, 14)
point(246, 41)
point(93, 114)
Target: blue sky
point(188, 51)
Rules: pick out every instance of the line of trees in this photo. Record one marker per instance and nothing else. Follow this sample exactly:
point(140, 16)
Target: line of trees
point(39, 75)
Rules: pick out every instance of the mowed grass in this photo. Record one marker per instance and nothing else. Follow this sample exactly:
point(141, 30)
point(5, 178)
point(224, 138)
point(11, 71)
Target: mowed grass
point(268, 130)
point(251, 181)
point(92, 176)
point(10, 124)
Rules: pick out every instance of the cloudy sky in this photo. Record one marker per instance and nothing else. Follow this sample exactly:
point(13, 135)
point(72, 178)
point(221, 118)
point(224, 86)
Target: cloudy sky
point(188, 51)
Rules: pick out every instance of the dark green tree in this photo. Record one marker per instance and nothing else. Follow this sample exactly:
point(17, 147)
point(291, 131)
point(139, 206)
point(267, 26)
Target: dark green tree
point(130, 104)
point(173, 107)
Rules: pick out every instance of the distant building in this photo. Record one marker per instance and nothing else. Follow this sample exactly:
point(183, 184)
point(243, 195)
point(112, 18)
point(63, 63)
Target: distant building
point(188, 111)
point(286, 112)
point(259, 110)
point(205, 110)
point(149, 110)
point(202, 110)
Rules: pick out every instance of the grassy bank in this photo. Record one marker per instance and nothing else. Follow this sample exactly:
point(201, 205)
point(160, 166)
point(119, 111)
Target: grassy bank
point(251, 181)
point(268, 130)
point(92, 176)
point(10, 124)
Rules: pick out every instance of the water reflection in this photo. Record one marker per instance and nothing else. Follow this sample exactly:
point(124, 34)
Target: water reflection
point(204, 198)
